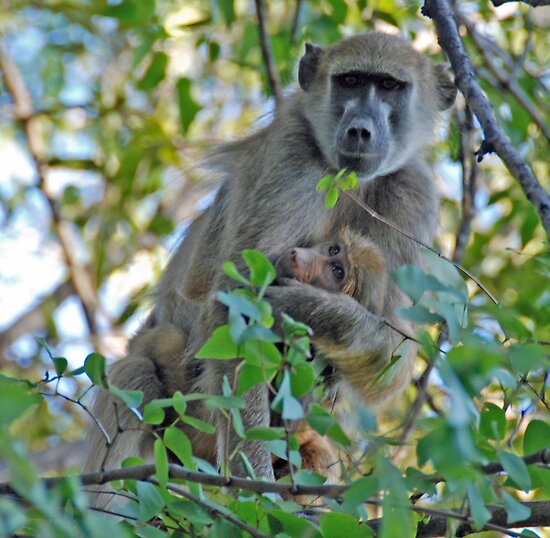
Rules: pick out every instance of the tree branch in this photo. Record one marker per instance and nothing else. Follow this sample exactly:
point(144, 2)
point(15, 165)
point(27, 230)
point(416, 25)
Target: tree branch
point(540, 510)
point(267, 53)
point(24, 112)
point(495, 139)
point(503, 79)
point(533, 3)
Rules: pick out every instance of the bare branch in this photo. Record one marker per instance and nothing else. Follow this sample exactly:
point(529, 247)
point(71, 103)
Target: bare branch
point(540, 510)
point(538, 458)
point(267, 53)
point(24, 111)
point(507, 82)
point(495, 139)
point(533, 3)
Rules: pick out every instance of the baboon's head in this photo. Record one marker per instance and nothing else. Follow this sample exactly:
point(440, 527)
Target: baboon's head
point(372, 101)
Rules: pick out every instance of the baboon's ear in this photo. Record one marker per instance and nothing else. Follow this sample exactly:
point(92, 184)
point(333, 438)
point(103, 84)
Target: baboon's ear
point(445, 86)
point(308, 66)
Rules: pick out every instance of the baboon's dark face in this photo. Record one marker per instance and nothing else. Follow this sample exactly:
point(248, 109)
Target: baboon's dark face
point(369, 110)
point(371, 101)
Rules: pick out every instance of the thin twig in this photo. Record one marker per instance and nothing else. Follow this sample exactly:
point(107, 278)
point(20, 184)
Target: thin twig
point(495, 139)
point(83, 407)
point(267, 53)
point(469, 181)
point(402, 231)
point(295, 21)
point(503, 79)
point(421, 398)
point(287, 448)
point(213, 510)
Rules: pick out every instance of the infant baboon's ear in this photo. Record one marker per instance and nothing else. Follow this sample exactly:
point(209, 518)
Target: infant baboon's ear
point(445, 86)
point(308, 66)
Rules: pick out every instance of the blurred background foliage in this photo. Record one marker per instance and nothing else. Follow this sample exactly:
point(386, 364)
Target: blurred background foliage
point(105, 109)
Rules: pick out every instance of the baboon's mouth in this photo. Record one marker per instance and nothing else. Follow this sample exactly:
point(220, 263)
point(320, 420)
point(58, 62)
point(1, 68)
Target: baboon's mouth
point(362, 164)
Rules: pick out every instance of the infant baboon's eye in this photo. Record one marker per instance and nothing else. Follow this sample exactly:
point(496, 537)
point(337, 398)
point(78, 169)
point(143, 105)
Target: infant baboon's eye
point(337, 271)
point(333, 250)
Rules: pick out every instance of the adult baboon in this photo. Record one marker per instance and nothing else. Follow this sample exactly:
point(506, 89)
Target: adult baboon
point(368, 104)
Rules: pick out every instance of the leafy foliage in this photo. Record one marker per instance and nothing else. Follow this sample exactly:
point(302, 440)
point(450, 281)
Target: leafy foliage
point(124, 96)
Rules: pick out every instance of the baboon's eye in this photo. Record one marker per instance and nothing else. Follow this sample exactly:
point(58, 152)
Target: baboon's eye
point(333, 250)
point(390, 83)
point(350, 80)
point(337, 271)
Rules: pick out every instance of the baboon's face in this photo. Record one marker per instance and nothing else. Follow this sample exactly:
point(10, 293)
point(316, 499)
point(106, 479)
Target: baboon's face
point(325, 266)
point(371, 101)
point(369, 110)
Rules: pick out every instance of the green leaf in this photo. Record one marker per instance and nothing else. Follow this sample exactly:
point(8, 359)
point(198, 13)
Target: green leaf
point(516, 510)
point(94, 366)
point(419, 314)
point(262, 272)
point(324, 183)
point(155, 72)
point(247, 466)
point(225, 402)
point(302, 379)
point(332, 197)
point(153, 414)
point(198, 424)
point(293, 328)
point(516, 469)
point(478, 511)
point(536, 438)
point(15, 398)
point(179, 444)
point(227, 10)
point(230, 269)
point(337, 525)
point(150, 501)
point(237, 422)
point(188, 107)
point(359, 491)
point(326, 424)
point(527, 357)
point(239, 304)
point(132, 398)
point(60, 365)
point(219, 346)
point(412, 280)
point(284, 524)
point(264, 434)
point(492, 423)
point(161, 462)
point(290, 407)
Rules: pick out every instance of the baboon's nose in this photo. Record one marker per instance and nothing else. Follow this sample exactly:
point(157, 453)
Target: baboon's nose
point(360, 133)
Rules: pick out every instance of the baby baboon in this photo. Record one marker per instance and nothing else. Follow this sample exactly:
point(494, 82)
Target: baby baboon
point(351, 264)
point(369, 104)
